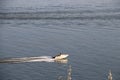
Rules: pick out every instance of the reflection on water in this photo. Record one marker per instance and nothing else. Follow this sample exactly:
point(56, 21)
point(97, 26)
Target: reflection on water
point(110, 75)
point(69, 75)
point(62, 61)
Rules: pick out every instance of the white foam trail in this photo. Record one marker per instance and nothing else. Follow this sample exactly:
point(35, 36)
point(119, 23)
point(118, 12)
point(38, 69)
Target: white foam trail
point(28, 59)
point(41, 60)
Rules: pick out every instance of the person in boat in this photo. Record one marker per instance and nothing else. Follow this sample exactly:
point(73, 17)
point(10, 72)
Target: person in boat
point(57, 55)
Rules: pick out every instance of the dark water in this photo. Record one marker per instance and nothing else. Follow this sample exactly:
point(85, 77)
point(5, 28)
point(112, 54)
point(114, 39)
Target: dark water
point(88, 30)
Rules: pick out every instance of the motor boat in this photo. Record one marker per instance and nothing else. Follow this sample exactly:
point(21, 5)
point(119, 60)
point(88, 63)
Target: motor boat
point(60, 56)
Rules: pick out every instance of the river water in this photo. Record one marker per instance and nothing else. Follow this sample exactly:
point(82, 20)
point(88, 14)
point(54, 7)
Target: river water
point(88, 30)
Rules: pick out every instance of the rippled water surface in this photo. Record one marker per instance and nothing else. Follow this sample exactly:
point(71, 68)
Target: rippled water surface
point(88, 30)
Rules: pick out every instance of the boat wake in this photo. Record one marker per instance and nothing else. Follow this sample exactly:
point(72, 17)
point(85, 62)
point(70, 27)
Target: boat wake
point(28, 59)
point(33, 59)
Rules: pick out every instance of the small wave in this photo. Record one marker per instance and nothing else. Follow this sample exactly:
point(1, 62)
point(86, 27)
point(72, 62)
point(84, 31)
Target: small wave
point(60, 16)
point(28, 59)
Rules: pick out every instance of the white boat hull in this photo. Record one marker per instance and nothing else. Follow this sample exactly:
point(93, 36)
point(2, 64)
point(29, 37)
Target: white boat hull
point(62, 56)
